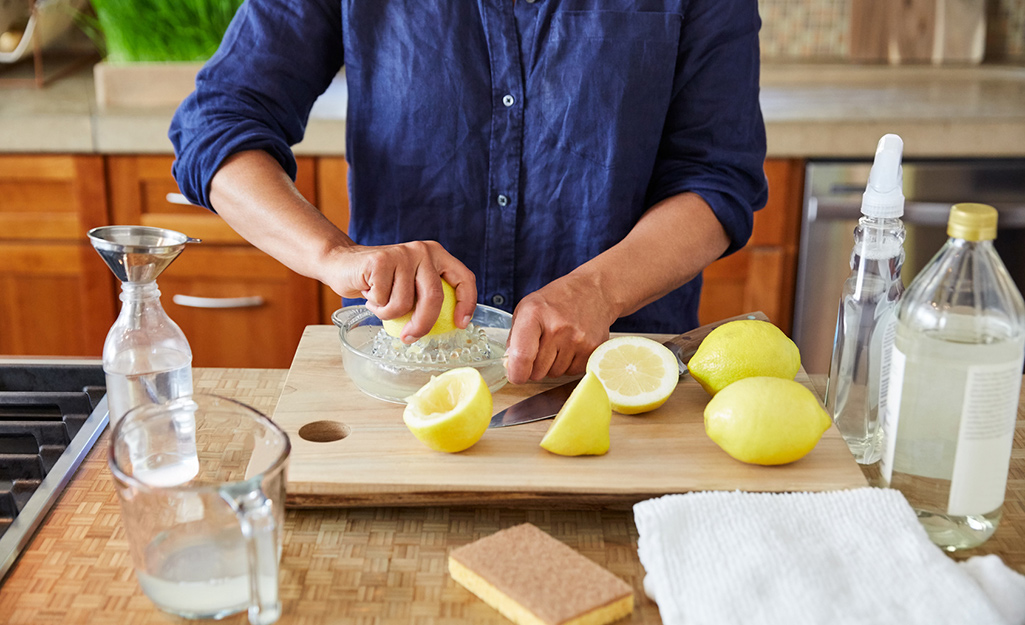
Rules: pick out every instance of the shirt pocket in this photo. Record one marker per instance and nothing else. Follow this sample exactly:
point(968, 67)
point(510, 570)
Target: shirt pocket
point(606, 84)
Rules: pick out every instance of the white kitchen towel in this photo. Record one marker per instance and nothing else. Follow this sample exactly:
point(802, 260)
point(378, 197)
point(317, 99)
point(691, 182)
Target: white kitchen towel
point(845, 557)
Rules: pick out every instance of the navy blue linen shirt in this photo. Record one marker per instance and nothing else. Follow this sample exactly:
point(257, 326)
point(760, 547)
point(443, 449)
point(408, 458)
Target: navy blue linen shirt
point(525, 137)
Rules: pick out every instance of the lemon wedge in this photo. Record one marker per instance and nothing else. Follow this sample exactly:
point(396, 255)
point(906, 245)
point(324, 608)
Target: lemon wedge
point(638, 374)
point(743, 349)
point(446, 321)
point(451, 412)
point(582, 426)
point(766, 420)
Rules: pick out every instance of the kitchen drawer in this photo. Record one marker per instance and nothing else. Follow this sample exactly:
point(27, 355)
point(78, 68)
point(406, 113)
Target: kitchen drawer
point(51, 197)
point(251, 309)
point(238, 306)
point(143, 192)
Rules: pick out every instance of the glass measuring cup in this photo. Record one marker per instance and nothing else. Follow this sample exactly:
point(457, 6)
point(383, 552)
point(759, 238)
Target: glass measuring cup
point(201, 481)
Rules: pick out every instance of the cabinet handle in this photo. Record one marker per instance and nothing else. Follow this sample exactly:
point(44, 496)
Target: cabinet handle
point(178, 198)
point(192, 301)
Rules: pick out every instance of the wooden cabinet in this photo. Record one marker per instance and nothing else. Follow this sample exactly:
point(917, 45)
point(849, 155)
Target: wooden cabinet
point(237, 306)
point(56, 295)
point(761, 276)
point(333, 201)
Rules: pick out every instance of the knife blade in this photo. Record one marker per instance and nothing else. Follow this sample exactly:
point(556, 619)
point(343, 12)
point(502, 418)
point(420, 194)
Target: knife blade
point(546, 404)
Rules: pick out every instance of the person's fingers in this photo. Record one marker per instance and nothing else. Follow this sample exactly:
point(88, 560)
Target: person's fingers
point(379, 282)
point(429, 297)
point(564, 359)
point(547, 354)
point(402, 292)
point(579, 363)
point(521, 348)
point(465, 285)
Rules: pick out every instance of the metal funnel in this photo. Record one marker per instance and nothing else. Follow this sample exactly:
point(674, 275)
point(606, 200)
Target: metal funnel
point(138, 253)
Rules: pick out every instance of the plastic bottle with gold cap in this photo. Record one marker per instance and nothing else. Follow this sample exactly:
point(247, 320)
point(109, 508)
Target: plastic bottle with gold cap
point(954, 379)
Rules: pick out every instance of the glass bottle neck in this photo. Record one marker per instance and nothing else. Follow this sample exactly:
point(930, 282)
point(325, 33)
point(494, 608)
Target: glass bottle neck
point(134, 291)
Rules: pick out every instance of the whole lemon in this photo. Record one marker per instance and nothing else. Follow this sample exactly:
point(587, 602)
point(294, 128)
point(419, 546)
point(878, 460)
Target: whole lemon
point(766, 420)
point(743, 349)
point(446, 321)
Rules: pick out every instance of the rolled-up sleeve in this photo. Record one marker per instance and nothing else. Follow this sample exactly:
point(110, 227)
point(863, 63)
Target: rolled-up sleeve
point(713, 143)
point(256, 92)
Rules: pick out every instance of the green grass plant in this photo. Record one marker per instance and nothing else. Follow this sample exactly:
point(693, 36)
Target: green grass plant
point(161, 30)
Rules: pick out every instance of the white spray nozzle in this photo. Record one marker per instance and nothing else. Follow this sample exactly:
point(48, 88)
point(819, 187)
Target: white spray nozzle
point(884, 195)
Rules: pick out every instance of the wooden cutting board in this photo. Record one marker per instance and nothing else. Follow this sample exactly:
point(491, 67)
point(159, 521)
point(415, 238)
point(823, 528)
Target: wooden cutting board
point(379, 462)
point(918, 31)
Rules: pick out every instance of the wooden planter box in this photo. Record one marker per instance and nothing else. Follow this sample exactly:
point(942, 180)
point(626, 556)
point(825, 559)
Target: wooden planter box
point(143, 85)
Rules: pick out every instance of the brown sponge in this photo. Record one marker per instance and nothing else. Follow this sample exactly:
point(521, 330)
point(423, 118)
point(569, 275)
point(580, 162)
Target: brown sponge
point(534, 579)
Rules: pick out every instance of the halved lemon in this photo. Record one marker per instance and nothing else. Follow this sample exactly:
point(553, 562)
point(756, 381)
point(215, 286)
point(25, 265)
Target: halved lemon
point(451, 412)
point(638, 373)
point(582, 425)
point(446, 321)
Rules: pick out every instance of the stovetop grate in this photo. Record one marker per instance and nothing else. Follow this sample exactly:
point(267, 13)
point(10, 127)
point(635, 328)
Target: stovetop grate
point(35, 429)
point(50, 417)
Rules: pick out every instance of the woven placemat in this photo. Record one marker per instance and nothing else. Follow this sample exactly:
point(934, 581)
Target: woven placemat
point(356, 565)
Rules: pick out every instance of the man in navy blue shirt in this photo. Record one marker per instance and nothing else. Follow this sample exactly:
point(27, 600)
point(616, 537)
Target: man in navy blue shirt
point(576, 162)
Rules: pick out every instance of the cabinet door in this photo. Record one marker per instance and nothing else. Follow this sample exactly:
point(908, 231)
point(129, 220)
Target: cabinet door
point(333, 201)
point(237, 306)
point(762, 275)
point(56, 295)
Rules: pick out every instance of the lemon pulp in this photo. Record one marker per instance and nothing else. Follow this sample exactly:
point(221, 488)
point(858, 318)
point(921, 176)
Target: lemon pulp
point(638, 374)
point(451, 412)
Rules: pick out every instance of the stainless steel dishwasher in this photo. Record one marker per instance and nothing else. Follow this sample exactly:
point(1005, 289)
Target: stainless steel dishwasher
point(832, 206)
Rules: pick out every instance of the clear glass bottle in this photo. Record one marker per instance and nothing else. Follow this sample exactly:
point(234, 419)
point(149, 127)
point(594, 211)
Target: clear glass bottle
point(955, 376)
point(856, 387)
point(146, 358)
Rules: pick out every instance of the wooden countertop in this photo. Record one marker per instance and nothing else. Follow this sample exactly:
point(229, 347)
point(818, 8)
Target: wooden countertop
point(365, 565)
point(810, 111)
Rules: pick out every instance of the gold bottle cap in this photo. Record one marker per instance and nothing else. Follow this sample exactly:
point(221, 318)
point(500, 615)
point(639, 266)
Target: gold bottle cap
point(972, 222)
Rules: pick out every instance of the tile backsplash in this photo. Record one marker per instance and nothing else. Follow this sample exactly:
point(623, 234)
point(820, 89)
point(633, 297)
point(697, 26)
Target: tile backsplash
point(818, 30)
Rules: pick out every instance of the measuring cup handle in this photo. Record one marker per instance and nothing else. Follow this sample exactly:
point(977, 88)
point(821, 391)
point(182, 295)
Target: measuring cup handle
point(255, 513)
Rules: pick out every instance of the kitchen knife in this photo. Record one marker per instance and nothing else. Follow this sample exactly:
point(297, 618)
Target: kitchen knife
point(546, 405)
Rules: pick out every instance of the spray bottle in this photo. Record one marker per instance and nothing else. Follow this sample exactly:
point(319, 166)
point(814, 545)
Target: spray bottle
point(865, 324)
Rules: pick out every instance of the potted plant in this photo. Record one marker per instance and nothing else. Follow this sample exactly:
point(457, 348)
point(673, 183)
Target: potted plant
point(153, 48)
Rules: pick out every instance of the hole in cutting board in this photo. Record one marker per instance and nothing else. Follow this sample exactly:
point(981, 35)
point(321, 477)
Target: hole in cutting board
point(324, 431)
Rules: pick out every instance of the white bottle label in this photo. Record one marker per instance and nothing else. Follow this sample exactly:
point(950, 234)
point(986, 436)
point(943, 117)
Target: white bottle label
point(891, 411)
point(889, 335)
point(984, 439)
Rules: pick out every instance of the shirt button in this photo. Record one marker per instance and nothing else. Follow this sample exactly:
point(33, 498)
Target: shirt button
point(508, 100)
point(502, 200)
point(531, 1)
point(498, 300)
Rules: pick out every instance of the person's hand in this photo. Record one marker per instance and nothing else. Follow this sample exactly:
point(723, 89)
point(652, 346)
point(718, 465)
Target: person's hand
point(556, 328)
point(396, 279)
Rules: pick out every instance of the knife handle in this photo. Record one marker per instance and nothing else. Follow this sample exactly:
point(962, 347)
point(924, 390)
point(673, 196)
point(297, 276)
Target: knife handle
point(687, 343)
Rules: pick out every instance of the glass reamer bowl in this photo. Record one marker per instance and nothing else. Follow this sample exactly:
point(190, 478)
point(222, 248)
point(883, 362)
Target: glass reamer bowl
point(394, 380)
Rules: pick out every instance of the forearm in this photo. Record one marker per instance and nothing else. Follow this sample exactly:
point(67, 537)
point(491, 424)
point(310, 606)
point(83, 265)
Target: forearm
point(670, 245)
point(258, 200)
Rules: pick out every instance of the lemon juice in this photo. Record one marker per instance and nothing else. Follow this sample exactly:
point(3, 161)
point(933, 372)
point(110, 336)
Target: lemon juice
point(206, 577)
